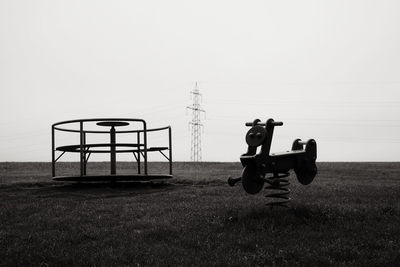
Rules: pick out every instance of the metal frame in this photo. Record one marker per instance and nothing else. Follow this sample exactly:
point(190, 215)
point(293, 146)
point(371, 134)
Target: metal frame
point(138, 149)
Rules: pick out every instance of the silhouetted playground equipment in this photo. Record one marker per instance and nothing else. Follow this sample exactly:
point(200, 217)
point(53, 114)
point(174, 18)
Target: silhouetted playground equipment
point(139, 147)
point(301, 159)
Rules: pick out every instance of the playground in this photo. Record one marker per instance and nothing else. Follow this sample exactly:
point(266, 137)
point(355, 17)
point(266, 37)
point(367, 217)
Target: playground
point(349, 215)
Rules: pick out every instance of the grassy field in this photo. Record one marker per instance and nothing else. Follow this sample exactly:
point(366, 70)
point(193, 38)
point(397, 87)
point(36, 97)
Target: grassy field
point(349, 216)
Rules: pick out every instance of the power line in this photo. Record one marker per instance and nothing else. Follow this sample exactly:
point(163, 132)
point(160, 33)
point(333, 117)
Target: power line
point(195, 125)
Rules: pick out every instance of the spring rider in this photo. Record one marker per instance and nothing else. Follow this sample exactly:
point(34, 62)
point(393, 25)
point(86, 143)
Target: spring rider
point(257, 166)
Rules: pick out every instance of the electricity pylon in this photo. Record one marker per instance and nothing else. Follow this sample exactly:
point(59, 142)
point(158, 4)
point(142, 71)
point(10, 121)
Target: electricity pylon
point(196, 125)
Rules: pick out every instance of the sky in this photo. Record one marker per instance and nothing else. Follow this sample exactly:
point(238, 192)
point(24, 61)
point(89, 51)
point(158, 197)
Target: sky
point(330, 70)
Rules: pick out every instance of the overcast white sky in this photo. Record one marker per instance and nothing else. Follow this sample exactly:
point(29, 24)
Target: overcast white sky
point(330, 70)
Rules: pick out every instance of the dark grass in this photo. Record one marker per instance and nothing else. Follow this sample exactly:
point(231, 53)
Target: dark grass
point(349, 216)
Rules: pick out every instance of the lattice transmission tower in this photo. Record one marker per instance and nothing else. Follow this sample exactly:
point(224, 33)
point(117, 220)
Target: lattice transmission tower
point(196, 125)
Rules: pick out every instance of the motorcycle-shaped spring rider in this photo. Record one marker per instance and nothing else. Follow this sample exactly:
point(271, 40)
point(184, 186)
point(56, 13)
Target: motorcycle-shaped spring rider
point(256, 166)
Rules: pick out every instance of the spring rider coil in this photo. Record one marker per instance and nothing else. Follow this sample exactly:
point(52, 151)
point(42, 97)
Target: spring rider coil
point(257, 166)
